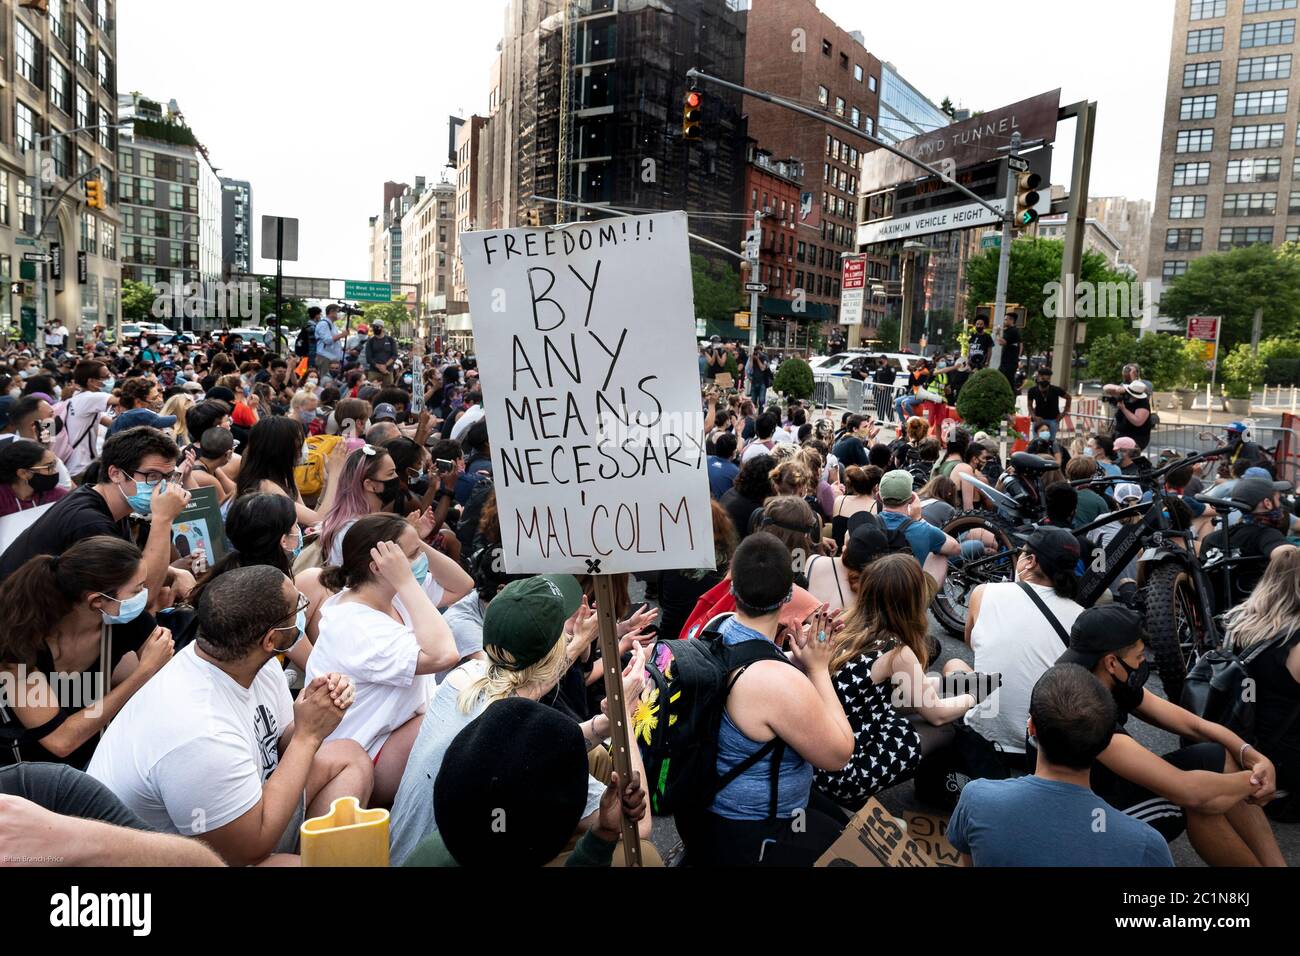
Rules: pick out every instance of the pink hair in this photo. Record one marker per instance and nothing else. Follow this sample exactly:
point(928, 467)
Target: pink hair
point(350, 500)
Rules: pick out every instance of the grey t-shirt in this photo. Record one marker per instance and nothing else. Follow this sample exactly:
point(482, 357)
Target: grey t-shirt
point(465, 618)
point(412, 817)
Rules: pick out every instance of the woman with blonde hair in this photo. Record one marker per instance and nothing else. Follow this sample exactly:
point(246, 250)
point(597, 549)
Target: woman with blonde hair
point(1265, 629)
point(790, 478)
point(533, 631)
point(879, 672)
point(178, 405)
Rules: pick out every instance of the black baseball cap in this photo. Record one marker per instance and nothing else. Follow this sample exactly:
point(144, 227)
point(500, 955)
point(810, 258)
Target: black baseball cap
point(1055, 548)
point(1102, 630)
point(866, 543)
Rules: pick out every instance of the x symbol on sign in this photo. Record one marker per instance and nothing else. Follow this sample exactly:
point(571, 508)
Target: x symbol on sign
point(593, 567)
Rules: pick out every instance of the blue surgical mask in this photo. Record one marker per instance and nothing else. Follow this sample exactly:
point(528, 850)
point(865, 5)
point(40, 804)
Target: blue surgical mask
point(297, 548)
point(420, 568)
point(300, 623)
point(141, 501)
point(1089, 451)
point(108, 385)
point(1045, 435)
point(128, 609)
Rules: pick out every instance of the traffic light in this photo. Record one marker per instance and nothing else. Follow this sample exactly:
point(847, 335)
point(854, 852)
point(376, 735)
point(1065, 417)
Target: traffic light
point(692, 116)
point(95, 194)
point(16, 288)
point(1027, 197)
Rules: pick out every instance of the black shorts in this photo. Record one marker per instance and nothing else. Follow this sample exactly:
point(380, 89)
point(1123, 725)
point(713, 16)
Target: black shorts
point(1140, 803)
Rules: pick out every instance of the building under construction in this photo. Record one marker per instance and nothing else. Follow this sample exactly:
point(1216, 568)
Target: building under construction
point(587, 108)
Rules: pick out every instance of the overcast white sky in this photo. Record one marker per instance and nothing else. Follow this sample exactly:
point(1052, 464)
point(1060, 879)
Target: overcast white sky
point(318, 103)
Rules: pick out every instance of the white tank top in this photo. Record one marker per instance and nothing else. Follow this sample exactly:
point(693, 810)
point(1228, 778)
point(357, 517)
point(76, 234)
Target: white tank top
point(1012, 638)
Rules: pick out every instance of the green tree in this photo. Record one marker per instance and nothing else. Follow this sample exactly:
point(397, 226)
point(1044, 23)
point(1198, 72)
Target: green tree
point(1242, 370)
point(1234, 284)
point(137, 301)
point(392, 314)
point(888, 333)
point(717, 290)
point(1035, 276)
point(293, 311)
point(947, 107)
point(1108, 354)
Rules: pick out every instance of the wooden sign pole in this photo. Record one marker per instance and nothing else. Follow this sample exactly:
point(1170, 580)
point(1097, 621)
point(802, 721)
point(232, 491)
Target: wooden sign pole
point(620, 733)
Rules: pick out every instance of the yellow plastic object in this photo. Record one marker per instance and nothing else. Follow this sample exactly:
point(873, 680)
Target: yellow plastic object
point(346, 836)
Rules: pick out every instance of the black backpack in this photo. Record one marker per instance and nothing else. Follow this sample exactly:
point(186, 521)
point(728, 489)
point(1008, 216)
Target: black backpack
point(895, 539)
point(302, 345)
point(1219, 688)
point(680, 715)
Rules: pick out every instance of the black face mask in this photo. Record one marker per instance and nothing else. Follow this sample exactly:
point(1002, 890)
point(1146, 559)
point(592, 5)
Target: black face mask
point(1128, 695)
point(418, 486)
point(43, 483)
point(392, 490)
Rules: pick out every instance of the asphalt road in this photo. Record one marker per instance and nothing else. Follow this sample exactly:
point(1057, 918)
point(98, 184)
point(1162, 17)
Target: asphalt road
point(902, 797)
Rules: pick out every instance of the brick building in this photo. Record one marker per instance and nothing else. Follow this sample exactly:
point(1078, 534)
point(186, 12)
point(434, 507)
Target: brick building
point(796, 51)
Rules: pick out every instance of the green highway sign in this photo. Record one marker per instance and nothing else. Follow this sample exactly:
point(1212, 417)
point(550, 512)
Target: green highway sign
point(24, 241)
point(368, 291)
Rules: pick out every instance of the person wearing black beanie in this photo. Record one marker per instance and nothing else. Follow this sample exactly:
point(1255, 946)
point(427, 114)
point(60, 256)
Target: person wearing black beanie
point(512, 790)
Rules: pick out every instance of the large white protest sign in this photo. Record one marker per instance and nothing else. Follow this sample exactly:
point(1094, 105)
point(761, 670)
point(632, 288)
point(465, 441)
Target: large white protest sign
point(585, 338)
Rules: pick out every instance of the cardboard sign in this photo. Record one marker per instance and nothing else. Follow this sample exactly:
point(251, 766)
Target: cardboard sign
point(724, 380)
point(200, 523)
point(874, 838)
point(585, 338)
point(929, 831)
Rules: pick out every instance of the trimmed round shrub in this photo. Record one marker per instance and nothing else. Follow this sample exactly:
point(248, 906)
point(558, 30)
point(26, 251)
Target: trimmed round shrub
point(794, 379)
point(986, 400)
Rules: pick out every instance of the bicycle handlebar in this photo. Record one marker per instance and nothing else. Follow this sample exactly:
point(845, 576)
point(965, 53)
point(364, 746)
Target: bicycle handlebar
point(1148, 476)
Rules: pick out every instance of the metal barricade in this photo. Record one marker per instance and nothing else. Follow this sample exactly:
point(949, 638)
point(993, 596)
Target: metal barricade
point(883, 398)
point(856, 393)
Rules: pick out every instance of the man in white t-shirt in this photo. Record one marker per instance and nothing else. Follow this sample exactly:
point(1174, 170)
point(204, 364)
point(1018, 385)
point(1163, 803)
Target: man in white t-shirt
point(214, 746)
point(1013, 637)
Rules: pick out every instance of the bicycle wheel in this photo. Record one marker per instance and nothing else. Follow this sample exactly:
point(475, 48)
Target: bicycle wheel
point(951, 604)
point(1174, 625)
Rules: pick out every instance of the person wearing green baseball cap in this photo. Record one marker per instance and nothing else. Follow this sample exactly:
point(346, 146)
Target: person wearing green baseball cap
point(533, 631)
point(900, 514)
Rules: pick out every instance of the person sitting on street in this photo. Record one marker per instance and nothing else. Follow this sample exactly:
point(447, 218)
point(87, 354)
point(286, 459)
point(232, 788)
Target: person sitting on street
point(1213, 789)
point(1271, 614)
point(215, 748)
point(1050, 818)
point(749, 821)
point(524, 762)
point(901, 509)
point(879, 671)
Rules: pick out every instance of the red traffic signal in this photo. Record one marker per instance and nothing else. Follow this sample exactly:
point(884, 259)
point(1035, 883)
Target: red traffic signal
point(692, 113)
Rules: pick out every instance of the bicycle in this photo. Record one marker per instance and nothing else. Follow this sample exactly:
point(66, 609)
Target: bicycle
point(1011, 513)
